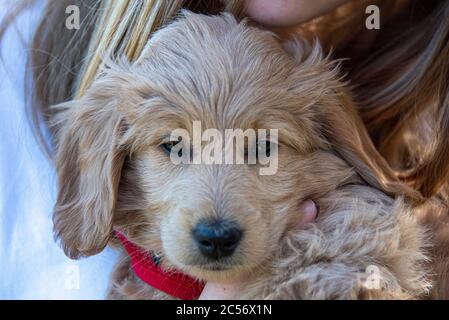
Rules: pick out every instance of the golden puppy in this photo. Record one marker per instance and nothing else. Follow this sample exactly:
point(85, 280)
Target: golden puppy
point(115, 172)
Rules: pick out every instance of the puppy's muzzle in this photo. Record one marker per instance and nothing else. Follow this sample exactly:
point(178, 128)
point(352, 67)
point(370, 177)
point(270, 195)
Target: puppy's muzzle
point(217, 239)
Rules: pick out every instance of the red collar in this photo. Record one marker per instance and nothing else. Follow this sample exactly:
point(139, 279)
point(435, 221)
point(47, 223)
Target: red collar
point(147, 268)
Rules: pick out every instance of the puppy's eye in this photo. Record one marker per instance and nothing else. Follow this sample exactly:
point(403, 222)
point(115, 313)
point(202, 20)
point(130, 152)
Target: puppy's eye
point(167, 147)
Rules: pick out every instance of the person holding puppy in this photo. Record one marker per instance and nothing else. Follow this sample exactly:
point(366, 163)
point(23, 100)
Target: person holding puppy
point(400, 89)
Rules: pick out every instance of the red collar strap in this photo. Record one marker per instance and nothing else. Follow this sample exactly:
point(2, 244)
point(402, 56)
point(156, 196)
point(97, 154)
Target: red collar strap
point(147, 268)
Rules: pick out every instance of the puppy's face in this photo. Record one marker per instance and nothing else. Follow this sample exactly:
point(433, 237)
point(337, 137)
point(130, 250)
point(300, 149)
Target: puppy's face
point(217, 220)
point(211, 220)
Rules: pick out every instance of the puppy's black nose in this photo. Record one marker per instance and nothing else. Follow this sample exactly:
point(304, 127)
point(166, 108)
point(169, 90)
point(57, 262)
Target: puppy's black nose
point(217, 239)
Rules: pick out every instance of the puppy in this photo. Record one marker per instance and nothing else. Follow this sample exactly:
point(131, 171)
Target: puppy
point(114, 171)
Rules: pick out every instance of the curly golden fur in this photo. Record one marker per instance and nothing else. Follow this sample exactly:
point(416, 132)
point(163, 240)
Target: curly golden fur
point(226, 74)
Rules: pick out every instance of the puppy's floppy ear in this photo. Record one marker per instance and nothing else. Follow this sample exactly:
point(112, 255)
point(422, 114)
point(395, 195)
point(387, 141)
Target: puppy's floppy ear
point(89, 160)
point(318, 77)
point(348, 137)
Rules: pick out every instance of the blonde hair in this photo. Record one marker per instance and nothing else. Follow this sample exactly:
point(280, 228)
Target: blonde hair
point(124, 27)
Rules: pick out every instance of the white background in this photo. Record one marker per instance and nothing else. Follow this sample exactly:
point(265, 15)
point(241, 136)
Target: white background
point(32, 265)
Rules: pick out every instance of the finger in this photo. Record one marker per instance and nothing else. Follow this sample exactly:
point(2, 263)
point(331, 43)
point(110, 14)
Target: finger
point(308, 212)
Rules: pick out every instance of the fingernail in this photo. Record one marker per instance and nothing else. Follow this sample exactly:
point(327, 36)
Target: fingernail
point(309, 212)
point(308, 207)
